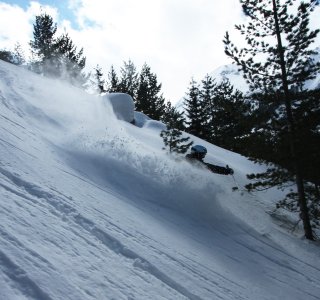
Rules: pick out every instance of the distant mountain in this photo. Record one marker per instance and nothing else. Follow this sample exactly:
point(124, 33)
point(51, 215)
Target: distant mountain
point(315, 83)
point(235, 76)
point(229, 72)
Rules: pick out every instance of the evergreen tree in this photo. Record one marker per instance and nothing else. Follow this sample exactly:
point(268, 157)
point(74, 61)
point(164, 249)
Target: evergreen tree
point(284, 39)
point(43, 43)
point(98, 81)
point(57, 57)
point(194, 111)
point(173, 116)
point(128, 82)
point(270, 141)
point(69, 62)
point(113, 84)
point(230, 119)
point(148, 99)
point(173, 140)
point(206, 96)
point(19, 56)
point(7, 56)
point(15, 57)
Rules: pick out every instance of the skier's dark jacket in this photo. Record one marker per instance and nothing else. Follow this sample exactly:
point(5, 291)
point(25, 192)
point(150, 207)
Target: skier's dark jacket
point(213, 168)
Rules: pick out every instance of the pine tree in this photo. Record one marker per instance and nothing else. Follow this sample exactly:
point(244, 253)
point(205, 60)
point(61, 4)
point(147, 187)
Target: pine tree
point(173, 116)
point(307, 117)
point(148, 99)
point(128, 82)
point(194, 111)
point(98, 81)
point(230, 118)
point(6, 56)
point(206, 96)
point(19, 56)
point(113, 81)
point(284, 41)
point(57, 57)
point(69, 61)
point(173, 140)
point(15, 57)
point(43, 43)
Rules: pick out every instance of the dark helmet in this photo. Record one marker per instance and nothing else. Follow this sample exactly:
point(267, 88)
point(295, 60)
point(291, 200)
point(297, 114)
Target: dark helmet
point(199, 151)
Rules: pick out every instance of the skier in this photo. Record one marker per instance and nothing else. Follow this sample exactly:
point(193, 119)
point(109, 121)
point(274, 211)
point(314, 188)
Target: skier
point(199, 152)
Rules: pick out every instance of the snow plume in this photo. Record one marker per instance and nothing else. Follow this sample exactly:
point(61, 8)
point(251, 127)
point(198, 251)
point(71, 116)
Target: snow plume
point(149, 175)
point(83, 127)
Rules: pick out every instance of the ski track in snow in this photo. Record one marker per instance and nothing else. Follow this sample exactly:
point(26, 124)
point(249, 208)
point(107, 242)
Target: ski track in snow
point(113, 244)
point(61, 208)
point(66, 211)
point(28, 287)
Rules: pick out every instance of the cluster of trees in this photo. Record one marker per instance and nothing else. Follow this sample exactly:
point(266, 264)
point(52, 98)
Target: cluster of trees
point(278, 122)
point(142, 86)
point(57, 56)
point(218, 113)
point(16, 57)
point(145, 90)
point(52, 55)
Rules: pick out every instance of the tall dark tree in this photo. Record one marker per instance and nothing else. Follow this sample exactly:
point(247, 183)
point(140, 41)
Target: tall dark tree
point(206, 96)
point(231, 117)
point(148, 99)
point(283, 39)
point(194, 111)
point(53, 56)
point(128, 82)
point(43, 44)
point(113, 81)
point(98, 82)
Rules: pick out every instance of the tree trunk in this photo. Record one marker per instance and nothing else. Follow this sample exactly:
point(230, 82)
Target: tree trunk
point(304, 214)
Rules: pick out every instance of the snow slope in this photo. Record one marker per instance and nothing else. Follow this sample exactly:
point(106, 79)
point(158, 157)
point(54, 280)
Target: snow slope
point(92, 208)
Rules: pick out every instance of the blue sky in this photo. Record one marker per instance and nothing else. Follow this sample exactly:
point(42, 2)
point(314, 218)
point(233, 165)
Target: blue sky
point(63, 7)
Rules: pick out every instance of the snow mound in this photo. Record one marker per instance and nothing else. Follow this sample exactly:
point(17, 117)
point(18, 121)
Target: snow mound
point(155, 125)
point(140, 119)
point(122, 104)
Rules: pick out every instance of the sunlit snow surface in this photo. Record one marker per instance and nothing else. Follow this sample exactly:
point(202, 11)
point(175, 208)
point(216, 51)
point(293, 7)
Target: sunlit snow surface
point(92, 208)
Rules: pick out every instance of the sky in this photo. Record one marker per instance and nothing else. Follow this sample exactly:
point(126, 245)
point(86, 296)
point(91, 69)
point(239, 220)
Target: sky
point(92, 207)
point(179, 40)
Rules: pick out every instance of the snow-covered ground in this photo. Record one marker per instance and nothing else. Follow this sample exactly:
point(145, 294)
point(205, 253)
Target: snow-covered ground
point(91, 207)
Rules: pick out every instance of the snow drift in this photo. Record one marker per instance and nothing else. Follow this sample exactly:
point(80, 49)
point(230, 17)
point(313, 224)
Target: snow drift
point(122, 104)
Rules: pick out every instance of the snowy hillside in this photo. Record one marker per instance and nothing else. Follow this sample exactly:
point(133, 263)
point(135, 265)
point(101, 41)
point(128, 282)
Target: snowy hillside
point(92, 208)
